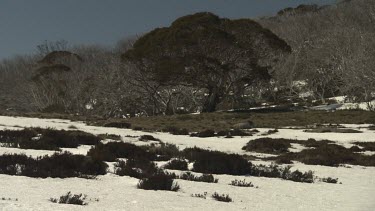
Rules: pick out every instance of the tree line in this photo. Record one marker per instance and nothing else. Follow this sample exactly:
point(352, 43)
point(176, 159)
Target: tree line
point(202, 62)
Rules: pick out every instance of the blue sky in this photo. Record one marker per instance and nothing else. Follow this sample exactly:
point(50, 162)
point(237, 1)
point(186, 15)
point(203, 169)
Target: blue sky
point(26, 23)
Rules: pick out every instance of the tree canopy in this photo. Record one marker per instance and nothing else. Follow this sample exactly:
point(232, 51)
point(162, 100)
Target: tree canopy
point(208, 52)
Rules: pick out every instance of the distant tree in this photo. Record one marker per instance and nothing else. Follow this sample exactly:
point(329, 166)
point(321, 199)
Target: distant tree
point(205, 51)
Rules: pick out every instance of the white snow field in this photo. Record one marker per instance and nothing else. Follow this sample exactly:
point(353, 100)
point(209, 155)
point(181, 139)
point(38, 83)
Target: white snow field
point(112, 192)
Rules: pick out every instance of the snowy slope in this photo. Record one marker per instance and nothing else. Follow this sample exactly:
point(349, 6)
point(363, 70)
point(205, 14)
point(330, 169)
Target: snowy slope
point(356, 192)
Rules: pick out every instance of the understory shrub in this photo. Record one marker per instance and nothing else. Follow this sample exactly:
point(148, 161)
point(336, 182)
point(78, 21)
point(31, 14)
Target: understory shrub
point(177, 164)
point(222, 197)
point(77, 199)
point(234, 132)
point(113, 150)
point(275, 171)
point(46, 139)
point(58, 165)
point(241, 183)
point(268, 145)
point(204, 134)
point(215, 162)
point(209, 178)
point(330, 180)
point(117, 124)
point(176, 131)
point(366, 146)
point(163, 151)
point(148, 138)
point(200, 195)
point(159, 181)
point(138, 168)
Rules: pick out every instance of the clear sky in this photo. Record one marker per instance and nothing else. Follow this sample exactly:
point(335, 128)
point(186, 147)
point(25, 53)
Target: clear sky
point(26, 23)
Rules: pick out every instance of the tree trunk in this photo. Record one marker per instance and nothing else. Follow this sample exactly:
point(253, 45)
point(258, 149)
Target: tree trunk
point(212, 101)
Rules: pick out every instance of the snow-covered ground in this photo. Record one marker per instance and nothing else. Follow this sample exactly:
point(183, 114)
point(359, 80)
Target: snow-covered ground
point(113, 192)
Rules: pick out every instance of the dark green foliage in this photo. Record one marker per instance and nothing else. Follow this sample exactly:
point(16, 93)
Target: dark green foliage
point(159, 181)
point(209, 178)
point(138, 168)
point(235, 132)
point(109, 136)
point(366, 146)
point(113, 150)
point(275, 171)
point(117, 124)
point(148, 138)
point(47, 139)
point(58, 165)
point(215, 162)
point(221, 197)
point(204, 134)
point(199, 195)
point(241, 183)
point(268, 145)
point(163, 151)
point(331, 155)
point(330, 180)
point(77, 199)
point(177, 164)
point(204, 44)
point(176, 131)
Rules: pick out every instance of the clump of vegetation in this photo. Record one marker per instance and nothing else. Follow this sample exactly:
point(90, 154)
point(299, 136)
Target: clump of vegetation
point(69, 198)
point(200, 195)
point(176, 131)
point(270, 132)
point(235, 132)
point(330, 180)
point(110, 136)
point(46, 139)
point(204, 134)
point(366, 146)
point(177, 164)
point(268, 145)
point(241, 183)
point(138, 168)
point(209, 178)
point(113, 150)
point(332, 130)
point(222, 197)
point(215, 162)
point(163, 151)
point(148, 138)
point(159, 181)
point(275, 171)
point(117, 124)
point(58, 165)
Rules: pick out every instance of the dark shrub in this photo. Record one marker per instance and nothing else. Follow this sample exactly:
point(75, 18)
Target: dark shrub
point(221, 197)
point(367, 146)
point(274, 171)
point(241, 183)
point(163, 151)
point(270, 132)
point(136, 128)
point(199, 195)
point(109, 136)
point(138, 168)
point(268, 145)
point(159, 181)
point(215, 162)
point(148, 138)
point(47, 139)
point(204, 134)
point(209, 178)
point(77, 199)
point(58, 165)
point(113, 150)
point(117, 124)
point(330, 180)
point(176, 131)
point(235, 132)
point(177, 164)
